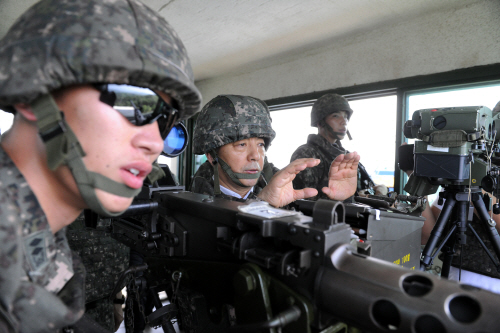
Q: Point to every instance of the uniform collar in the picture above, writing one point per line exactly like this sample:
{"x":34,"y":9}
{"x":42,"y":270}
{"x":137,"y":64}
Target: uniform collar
{"x":234,"y":194}
{"x":318,"y":140}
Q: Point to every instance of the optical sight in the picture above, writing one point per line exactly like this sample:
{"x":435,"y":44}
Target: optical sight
{"x":454,"y":146}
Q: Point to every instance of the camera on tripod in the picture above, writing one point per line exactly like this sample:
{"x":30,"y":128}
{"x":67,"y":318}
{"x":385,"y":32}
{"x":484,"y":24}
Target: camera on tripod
{"x":456,"y":148}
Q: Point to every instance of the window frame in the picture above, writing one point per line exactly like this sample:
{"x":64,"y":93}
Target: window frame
{"x":399,"y":87}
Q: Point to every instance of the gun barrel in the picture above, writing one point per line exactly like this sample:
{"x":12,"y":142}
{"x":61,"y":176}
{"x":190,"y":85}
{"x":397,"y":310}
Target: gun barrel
{"x":140,"y":208}
{"x":378,"y":296}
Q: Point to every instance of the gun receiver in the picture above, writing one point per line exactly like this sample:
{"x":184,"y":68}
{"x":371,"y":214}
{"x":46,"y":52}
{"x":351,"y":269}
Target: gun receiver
{"x":228,"y":266}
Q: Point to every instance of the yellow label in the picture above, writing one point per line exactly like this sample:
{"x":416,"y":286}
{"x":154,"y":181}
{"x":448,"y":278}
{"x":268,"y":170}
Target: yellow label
{"x":403,"y":260}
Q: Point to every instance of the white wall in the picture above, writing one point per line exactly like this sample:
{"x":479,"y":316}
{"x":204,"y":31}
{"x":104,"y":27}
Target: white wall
{"x":464,"y":37}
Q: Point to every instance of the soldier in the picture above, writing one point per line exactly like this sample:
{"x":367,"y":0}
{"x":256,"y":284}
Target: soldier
{"x":63,"y":66}
{"x":330,"y":114}
{"x":234,"y":132}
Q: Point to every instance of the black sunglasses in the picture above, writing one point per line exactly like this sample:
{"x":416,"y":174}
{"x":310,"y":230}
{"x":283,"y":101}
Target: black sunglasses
{"x":141,"y":106}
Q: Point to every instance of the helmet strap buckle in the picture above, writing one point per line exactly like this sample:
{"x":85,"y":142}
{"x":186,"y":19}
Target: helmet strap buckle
{"x":57,"y":129}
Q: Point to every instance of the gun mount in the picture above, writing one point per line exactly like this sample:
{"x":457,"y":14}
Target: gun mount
{"x":228,"y":266}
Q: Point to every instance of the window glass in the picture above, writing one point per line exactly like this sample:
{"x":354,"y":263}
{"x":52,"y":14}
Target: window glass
{"x":487,"y":94}
{"x":373,"y":130}
{"x":452,"y":97}
{"x":172,"y":162}
{"x":292,"y":126}
{"x":5,"y":121}
{"x":372,"y":127}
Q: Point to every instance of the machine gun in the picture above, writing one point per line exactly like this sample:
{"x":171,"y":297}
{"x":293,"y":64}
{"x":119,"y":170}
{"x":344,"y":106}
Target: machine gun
{"x":229,"y":266}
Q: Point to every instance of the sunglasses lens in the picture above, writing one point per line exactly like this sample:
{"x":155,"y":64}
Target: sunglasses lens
{"x":176,"y":141}
{"x":141,"y":106}
{"x":134,"y":103}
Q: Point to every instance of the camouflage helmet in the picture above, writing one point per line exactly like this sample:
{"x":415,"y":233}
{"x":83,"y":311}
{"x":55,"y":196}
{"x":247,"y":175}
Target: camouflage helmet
{"x":60,"y":43}
{"x":231,"y":118}
{"x":328,"y":104}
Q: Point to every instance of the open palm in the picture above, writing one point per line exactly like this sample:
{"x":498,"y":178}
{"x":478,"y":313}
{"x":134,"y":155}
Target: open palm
{"x":280,"y":192}
{"x":343,"y":177}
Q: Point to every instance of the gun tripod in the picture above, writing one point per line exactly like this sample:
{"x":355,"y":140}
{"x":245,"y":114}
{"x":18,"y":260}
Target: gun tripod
{"x":449,"y":233}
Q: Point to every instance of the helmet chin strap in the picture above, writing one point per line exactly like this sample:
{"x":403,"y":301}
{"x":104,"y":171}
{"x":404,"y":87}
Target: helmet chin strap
{"x":234,"y":176}
{"x":62,"y":147}
{"x":336,"y":135}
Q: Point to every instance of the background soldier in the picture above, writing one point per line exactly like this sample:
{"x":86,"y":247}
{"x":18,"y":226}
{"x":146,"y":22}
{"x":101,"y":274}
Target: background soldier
{"x":234,"y":132}
{"x":68,"y":148}
{"x":330,"y":114}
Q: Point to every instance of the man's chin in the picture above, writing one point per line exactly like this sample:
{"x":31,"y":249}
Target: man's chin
{"x":249,"y":182}
{"x":113,"y":203}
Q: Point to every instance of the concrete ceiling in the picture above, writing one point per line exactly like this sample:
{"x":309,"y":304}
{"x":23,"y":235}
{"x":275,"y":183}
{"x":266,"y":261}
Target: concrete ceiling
{"x":231,"y":36}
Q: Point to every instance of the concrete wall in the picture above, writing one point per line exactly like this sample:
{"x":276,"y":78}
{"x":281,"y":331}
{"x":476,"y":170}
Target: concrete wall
{"x":10,"y":11}
{"x":464,"y":37}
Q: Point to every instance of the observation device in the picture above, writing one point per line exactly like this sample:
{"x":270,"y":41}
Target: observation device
{"x":456,"y":148}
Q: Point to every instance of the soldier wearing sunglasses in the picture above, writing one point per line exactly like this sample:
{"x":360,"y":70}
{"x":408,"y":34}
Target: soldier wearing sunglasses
{"x":95,"y":86}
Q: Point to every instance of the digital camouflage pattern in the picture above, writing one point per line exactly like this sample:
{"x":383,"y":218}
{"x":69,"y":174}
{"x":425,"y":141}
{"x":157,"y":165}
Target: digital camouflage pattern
{"x":328,"y":104}
{"x":58,"y":43}
{"x":203,"y":182}
{"x":316,"y":177}
{"x":104,"y":259}
{"x":41,"y":281}
{"x":474,"y":258}
{"x":231,"y":118}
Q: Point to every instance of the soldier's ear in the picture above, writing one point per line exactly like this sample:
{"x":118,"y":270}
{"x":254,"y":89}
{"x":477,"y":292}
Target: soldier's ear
{"x":210,"y":158}
{"x":25,"y":111}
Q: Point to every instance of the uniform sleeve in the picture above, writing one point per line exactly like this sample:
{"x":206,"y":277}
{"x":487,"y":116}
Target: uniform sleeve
{"x":10,"y":266}
{"x":203,"y":179}
{"x":202,"y":186}
{"x":310,"y":177}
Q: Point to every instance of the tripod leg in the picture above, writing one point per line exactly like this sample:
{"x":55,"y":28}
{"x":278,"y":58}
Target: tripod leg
{"x":437,"y":231}
{"x":447,"y":258}
{"x":459,"y":237}
{"x":490,"y":255}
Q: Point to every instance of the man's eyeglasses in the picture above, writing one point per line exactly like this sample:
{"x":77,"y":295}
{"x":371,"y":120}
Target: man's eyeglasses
{"x":141,"y":106}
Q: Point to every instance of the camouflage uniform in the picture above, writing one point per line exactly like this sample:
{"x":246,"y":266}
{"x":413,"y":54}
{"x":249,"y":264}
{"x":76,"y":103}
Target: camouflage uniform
{"x":41,"y":280}
{"x":223,"y":120}
{"x":104,"y":258}
{"x":316,"y":177}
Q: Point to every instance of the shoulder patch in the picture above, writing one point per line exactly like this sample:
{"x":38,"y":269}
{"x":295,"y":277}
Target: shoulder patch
{"x":36,"y":250}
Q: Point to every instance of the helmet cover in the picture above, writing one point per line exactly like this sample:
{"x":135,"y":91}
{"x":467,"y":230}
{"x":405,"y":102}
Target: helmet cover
{"x":328,"y":104}
{"x":230,"y":118}
{"x":57,"y":43}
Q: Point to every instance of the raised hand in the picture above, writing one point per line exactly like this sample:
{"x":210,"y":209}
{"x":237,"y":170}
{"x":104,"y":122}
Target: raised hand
{"x":280,"y":192}
{"x":343,"y":177}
